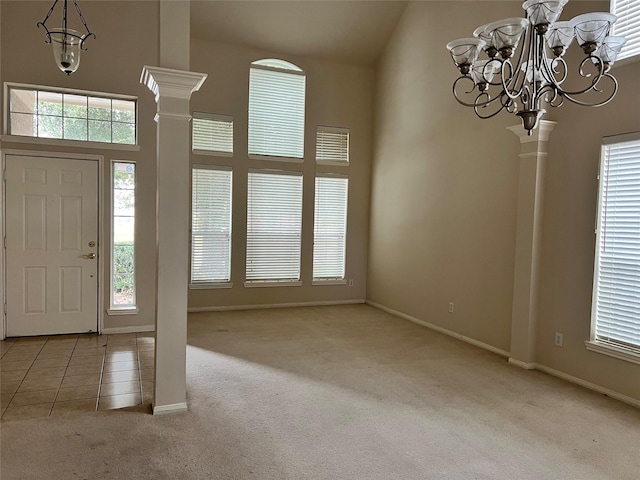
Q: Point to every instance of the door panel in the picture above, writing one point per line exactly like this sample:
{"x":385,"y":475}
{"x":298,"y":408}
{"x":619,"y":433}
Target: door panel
{"x":51,"y":216}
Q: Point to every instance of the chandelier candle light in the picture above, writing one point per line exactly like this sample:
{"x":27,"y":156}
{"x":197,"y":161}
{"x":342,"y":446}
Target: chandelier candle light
{"x":520,"y":87}
{"x":67,"y":43}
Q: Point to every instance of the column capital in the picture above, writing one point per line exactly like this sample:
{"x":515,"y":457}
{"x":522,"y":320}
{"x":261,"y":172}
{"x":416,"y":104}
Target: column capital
{"x":167,"y":82}
{"x":540,"y":134}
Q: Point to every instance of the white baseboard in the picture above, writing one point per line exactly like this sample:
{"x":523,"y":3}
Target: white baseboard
{"x":591,"y":386}
{"x":173,"y":408}
{"x":132,"y":329}
{"x":273,"y":305}
{"x":472,"y":341}
{"x":521,"y":364}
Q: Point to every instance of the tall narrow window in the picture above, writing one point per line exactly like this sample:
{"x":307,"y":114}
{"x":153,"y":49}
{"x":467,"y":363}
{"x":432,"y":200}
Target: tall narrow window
{"x":210,"y":226}
{"x":616,"y":306}
{"x":274,"y":227}
{"x":123,"y":278}
{"x":627,"y":25}
{"x":330,"y":228}
{"x":276,"y":109}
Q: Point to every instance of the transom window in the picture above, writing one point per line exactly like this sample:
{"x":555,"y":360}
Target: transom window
{"x":71,"y":115}
{"x":276,"y":109}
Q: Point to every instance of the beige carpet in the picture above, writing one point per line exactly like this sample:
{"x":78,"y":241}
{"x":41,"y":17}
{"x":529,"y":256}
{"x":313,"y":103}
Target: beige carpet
{"x":343,"y":392}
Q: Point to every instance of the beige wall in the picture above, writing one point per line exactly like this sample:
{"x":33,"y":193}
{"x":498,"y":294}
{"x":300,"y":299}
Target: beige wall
{"x":444,"y":183}
{"x":444,"y":191}
{"x":337,"y":95}
{"x":127,"y":39}
{"x":568,"y":245}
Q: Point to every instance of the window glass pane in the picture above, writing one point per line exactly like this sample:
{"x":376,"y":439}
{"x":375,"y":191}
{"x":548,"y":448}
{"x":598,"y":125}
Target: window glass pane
{"x":99,"y":108}
{"x":23,"y":101}
{"x":124,"y":133}
{"x":617,"y":308}
{"x":75,"y":106}
{"x":75,"y":129}
{"x":330,"y":228}
{"x":211,"y":226}
{"x":24,"y":124}
{"x":99,"y":131}
{"x":49,"y":103}
{"x":123,"y":111}
{"x":212,"y":132}
{"x":274,"y":225}
{"x":332,"y":145}
{"x":123,"y":239}
{"x":276,"y":112}
{"x":49,"y":127}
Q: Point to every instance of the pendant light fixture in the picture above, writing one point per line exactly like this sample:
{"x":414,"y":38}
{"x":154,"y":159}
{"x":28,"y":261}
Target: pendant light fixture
{"x":66,"y":42}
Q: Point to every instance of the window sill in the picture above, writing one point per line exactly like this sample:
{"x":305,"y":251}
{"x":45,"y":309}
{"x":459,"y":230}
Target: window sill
{"x":254,"y":156}
{"x":259,"y":284}
{"x":613,"y":351}
{"x":209,"y":286}
{"x":69,"y":143}
{"x":212,"y":153}
{"x":329,"y":282}
{"x":123,"y":311}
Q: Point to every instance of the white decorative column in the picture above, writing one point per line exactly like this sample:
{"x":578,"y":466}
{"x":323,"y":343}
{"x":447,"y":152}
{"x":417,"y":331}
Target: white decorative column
{"x":172,"y":90}
{"x":526,"y":276}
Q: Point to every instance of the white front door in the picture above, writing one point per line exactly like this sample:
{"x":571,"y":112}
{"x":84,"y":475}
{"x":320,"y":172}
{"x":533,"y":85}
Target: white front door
{"x":51,"y":246}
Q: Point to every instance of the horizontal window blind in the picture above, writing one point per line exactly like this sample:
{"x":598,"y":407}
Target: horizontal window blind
{"x":212,"y":132}
{"x":276,"y":112}
{"x":627,"y":25}
{"x":211,"y":225}
{"x":274,"y":226}
{"x":332,"y":145}
{"x":330,"y":227}
{"x":617,"y":290}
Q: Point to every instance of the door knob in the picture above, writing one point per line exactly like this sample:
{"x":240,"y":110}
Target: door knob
{"x":90,"y":256}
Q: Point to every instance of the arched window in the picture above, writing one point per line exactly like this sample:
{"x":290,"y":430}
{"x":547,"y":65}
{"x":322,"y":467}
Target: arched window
{"x":276,"y":109}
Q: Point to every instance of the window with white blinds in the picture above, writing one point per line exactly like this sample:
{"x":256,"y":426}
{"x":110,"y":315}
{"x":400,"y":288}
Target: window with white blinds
{"x":627,"y":25}
{"x":212,"y":133}
{"x":210,"y":225}
{"x":616,"y":308}
{"x":274,"y":226}
{"x":276,"y":109}
{"x":330,"y":227}
{"x":332,"y":145}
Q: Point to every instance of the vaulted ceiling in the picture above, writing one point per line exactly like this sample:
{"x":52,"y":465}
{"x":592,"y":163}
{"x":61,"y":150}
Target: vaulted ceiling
{"x":353,"y":32}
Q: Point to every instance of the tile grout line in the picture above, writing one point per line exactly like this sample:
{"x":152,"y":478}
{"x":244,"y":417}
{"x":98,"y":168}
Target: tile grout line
{"x":23,"y":378}
{"x":104,"y":361}
{"x":139,"y":372}
{"x":55,"y":399}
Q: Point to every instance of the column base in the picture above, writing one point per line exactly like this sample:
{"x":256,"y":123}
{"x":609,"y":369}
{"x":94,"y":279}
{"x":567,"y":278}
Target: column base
{"x":166,"y":409}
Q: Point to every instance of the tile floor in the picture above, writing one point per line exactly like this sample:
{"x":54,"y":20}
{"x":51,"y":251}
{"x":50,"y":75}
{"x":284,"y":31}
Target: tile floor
{"x":43,"y":376}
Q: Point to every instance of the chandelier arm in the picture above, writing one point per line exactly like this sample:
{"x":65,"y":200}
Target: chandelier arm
{"x":594,"y":86}
{"x":568,"y":95}
{"x":475,"y":103}
{"x":503,"y":106}
{"x":551,"y":71}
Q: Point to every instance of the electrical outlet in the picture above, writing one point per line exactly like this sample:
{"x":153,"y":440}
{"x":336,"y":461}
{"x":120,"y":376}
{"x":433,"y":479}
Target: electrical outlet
{"x":558,"y":339}
{"x":351,"y":282}
{"x":452,"y":307}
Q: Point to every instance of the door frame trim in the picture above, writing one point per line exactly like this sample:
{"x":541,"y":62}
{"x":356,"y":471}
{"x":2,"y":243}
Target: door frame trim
{"x":3,"y":206}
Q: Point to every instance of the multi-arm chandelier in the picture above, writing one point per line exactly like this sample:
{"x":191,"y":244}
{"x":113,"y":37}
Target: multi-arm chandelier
{"x":67,"y":43}
{"x":497,"y":83}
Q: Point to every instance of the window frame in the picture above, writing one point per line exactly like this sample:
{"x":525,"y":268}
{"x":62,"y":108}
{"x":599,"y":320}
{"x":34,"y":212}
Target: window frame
{"x":273,"y":282}
{"x":198,"y":115}
{"x":331,"y":280}
{"x":623,"y":59}
{"x":203,"y":285}
{"x":333,"y":130}
{"x":283,"y":67}
{"x":7,"y":136}
{"x":127,"y":309}
{"x":607,"y":347}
